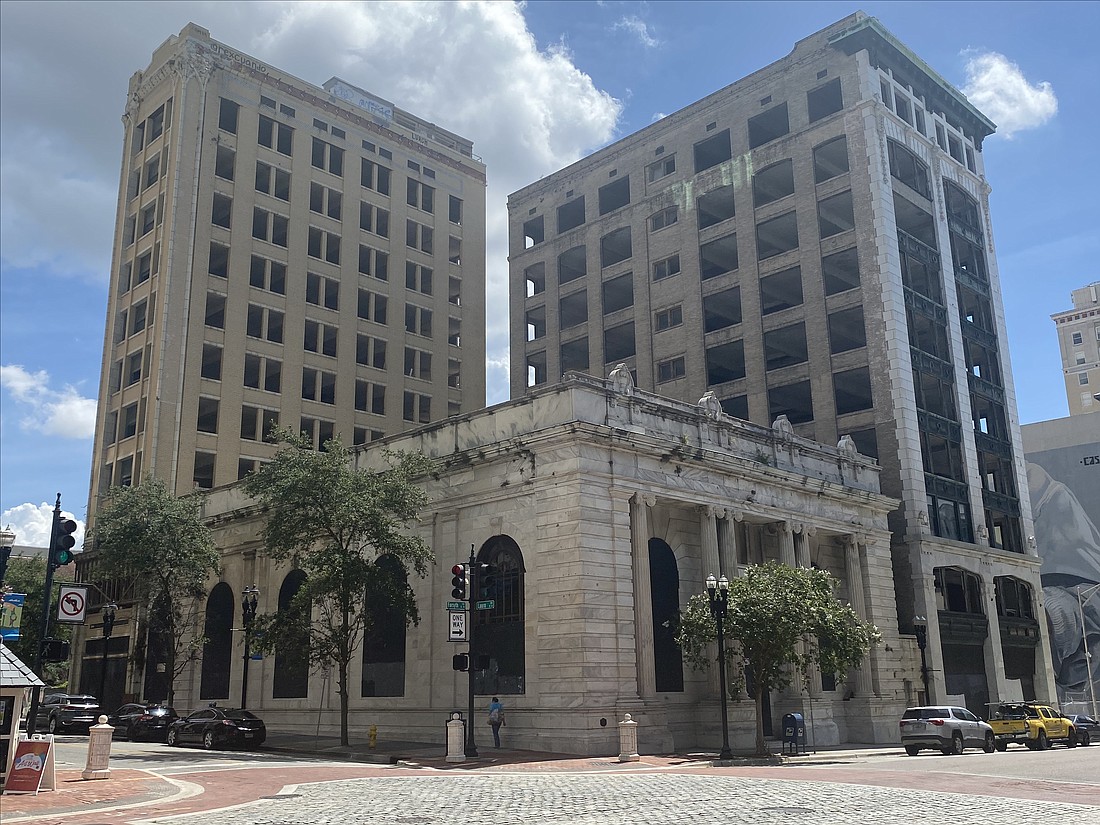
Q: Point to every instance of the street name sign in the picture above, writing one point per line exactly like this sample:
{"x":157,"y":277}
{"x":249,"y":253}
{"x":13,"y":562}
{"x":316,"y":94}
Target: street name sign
{"x":488,"y":604}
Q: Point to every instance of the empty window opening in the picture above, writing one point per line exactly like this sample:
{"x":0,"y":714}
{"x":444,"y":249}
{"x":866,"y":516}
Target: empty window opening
{"x":736,"y":406}
{"x":454,"y":210}
{"x":954,"y":148}
{"x":776,"y":236}
{"x":902,"y":107}
{"x":671,"y":369}
{"x":772,"y":183}
{"x":218,"y":262}
{"x":967,"y":257}
{"x":536,"y":323}
{"x":572,"y":264}
{"x":454,"y":290}
{"x":914,"y":221}
{"x":618,"y":293}
{"x":846,"y":330}
{"x":615,"y":247}
{"x":227,"y":115}
{"x":536,"y":369}
{"x":574,"y":356}
{"x":887,"y":93}
{"x":571,"y":215}
{"x":780,"y":291}
{"x":961,"y":207}
{"x":970,"y":160}
{"x":920,"y":277}
{"x":614,"y":195}
{"x":941,"y":456}
{"x":535,"y":277}
{"x":835,"y":214}
{"x":830,"y":159}
{"x":866,"y":441}
{"x":768,"y":126}
{"x":225,"y":162}
{"x":718,"y":257}
{"x":715,"y":206}
{"x":208,"y":415}
{"x":785,"y":346}
{"x":722,"y":309}
{"x":906,"y":167}
{"x":533,"y":232}
{"x":712,"y":151}
{"x":933,"y":394}
{"x":215,"y":311}
{"x":725,"y":362}
{"x":666,"y":268}
{"x":618,"y":343}
{"x":222,"y":210}
{"x":792,"y":400}
{"x":824,"y":100}
{"x":852,"y":390}
{"x":454,"y":250}
{"x":573,"y":309}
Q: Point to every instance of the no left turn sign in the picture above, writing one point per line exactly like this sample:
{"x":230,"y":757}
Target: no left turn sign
{"x":72,"y":604}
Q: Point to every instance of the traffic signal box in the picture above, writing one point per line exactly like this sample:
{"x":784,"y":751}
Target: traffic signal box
{"x":61,"y":553}
{"x":458,"y":582}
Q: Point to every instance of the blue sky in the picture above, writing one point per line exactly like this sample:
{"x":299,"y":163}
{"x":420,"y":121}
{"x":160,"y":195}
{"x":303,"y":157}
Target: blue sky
{"x":535,"y":86}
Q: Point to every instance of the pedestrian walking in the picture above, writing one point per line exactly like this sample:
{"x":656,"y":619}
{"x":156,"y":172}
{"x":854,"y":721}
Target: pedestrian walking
{"x":496,"y":719}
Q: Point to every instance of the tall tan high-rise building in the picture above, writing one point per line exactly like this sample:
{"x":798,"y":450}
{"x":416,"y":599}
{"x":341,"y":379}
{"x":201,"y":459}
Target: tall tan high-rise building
{"x":1079,"y":344}
{"x":812,"y":244}
{"x":308,"y":256}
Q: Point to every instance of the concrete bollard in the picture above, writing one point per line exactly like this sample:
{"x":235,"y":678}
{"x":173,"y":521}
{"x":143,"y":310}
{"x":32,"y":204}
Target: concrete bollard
{"x":456,"y":738}
{"x":628,"y":739}
{"x":99,"y":751}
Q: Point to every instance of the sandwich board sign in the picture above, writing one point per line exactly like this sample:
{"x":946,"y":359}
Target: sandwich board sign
{"x":32,"y":769}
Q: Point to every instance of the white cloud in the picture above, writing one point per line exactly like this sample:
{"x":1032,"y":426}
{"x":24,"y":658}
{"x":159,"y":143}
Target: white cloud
{"x":32,"y":524}
{"x":472,"y":67}
{"x":999,"y":89}
{"x":637,"y":27}
{"x":658,"y":116}
{"x":64,"y":413}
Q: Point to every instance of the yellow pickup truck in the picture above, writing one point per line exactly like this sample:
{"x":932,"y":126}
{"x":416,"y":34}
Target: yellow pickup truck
{"x":1026,"y":723}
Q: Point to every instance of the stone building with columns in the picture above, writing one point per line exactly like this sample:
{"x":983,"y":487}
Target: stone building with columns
{"x":604,"y":509}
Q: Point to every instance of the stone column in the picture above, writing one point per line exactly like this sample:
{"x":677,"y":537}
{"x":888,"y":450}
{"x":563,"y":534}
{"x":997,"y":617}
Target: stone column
{"x":727,"y":545}
{"x":643,"y":594}
{"x":786,"y":544}
{"x":864,"y":686}
{"x":708,"y":541}
{"x":994,"y":653}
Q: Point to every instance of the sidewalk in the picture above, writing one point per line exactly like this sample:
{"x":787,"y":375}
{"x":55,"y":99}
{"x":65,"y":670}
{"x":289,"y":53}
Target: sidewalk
{"x":139,"y":788}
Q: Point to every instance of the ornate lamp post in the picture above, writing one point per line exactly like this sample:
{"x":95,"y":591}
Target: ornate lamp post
{"x":109,"y":611}
{"x":248,"y":613}
{"x":718,"y":594}
{"x":920,"y":629}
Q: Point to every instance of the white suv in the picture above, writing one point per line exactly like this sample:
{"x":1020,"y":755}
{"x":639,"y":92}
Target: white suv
{"x":947,"y":729}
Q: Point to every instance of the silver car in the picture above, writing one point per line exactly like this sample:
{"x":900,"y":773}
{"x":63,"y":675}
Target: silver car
{"x":946,"y":729}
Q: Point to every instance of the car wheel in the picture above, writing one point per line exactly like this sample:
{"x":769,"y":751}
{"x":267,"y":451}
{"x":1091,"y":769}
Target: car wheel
{"x":912,"y":750}
{"x":955,"y":748}
{"x":1042,"y":743}
{"x":1071,"y":741}
{"x":173,"y":737}
{"x":53,"y":726}
{"x":990,"y":743}
{"x":1083,"y":738}
{"x":208,"y":740}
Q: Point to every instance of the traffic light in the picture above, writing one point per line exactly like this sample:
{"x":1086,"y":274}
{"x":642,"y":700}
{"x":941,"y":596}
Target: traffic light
{"x":486,"y":581}
{"x":460,"y":661}
{"x":458,"y":582}
{"x":62,"y":551}
{"x":55,"y":650}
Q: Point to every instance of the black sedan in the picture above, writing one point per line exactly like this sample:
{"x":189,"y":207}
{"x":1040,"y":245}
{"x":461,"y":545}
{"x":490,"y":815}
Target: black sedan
{"x":219,"y":728}
{"x":1088,"y":729}
{"x":136,"y":721}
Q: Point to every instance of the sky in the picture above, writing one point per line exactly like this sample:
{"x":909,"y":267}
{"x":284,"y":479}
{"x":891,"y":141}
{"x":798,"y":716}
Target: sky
{"x":536,"y":86}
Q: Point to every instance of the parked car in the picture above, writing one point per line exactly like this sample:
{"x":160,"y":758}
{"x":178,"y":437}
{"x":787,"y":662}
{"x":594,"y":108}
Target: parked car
{"x":60,"y":712}
{"x":137,"y":721}
{"x":1087,"y":728}
{"x":1033,"y":725}
{"x":947,"y":729}
{"x":219,"y":728}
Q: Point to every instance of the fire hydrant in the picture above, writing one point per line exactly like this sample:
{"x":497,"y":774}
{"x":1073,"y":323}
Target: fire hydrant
{"x":372,"y":737}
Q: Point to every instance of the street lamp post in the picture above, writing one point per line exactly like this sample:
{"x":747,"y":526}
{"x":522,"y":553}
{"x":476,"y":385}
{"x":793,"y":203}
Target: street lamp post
{"x":920,"y":630}
{"x":248,"y":613}
{"x":1085,"y":641}
{"x":109,"y":611}
{"x":7,"y":540}
{"x":718,"y":594}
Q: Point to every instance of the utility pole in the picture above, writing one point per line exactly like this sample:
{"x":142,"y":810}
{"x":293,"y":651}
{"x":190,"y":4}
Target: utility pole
{"x":44,"y":620}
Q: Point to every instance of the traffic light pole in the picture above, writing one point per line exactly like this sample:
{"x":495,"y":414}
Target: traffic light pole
{"x":471,"y":745}
{"x":44,"y":622}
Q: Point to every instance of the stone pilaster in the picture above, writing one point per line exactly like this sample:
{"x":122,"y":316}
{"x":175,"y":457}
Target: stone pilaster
{"x":643,"y":594}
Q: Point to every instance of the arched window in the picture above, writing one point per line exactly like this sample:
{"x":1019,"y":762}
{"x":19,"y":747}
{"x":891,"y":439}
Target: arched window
{"x":1013,"y":598}
{"x":958,"y":590}
{"x":291,"y":680}
{"x":498,"y":648}
{"x":386,"y":603}
{"x":664,"y":579}
{"x":217,"y":650}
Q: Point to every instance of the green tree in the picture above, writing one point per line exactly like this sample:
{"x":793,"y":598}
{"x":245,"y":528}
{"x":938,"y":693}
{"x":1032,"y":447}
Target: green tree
{"x":28,"y":576}
{"x":780,"y":621}
{"x":333,"y":522}
{"x":160,"y":546}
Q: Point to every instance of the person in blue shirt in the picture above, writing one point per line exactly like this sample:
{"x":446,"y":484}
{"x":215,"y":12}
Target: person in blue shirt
{"x":496,"y":719}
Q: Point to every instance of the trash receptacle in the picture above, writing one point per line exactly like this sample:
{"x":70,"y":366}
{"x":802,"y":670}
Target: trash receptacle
{"x":794,"y":733}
